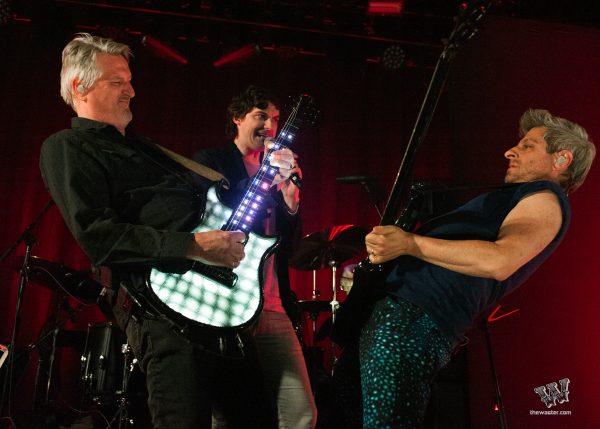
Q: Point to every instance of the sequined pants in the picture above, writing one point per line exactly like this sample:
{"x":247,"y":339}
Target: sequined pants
{"x":401,"y":350}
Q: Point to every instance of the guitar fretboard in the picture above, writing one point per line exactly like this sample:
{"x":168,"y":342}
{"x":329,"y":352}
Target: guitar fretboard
{"x":245,"y":214}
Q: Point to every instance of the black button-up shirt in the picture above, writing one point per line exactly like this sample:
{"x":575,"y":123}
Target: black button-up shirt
{"x":126,"y":203}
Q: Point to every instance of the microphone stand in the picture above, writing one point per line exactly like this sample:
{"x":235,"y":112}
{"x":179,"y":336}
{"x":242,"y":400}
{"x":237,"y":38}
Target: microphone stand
{"x":498,"y":396}
{"x":30,"y":240}
{"x":372,"y":187}
{"x":493,"y":317}
{"x":375,"y":195}
{"x":26,"y":235}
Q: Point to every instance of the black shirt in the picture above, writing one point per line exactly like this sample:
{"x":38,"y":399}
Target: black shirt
{"x":128,"y":205}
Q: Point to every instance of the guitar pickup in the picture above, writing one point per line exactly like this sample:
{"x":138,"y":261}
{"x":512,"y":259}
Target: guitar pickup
{"x":222,"y":275}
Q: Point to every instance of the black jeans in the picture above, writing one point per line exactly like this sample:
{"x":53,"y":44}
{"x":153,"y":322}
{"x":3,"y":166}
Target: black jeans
{"x":185,"y":383}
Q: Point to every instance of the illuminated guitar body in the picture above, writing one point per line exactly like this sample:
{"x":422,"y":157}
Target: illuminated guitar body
{"x":211,"y":305}
{"x":214,"y":296}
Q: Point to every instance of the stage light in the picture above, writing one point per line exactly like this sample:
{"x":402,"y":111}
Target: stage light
{"x":385,"y":8}
{"x":5,"y":12}
{"x":162,"y":50}
{"x":393,"y":57}
{"x":237,"y":56}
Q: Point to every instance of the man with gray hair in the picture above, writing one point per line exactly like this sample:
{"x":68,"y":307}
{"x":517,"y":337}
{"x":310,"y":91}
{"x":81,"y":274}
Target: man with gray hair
{"x":131,"y":208}
{"x":455,"y":266}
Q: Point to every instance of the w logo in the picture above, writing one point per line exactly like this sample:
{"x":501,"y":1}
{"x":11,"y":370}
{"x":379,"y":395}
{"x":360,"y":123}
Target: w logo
{"x":553,"y":394}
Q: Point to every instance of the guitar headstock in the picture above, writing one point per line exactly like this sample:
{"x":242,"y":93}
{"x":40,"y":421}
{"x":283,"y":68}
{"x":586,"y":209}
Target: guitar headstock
{"x":303,"y":109}
{"x":466,"y":24}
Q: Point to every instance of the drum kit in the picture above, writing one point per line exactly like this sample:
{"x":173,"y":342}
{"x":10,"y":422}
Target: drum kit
{"x":328,"y":248}
{"x":110,"y":382}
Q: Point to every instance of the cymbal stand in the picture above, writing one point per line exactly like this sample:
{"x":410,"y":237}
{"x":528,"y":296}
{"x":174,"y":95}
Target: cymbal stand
{"x":30,"y":240}
{"x":335,"y":305}
{"x":314,"y":314}
{"x":315,"y":292}
{"x":7,"y":387}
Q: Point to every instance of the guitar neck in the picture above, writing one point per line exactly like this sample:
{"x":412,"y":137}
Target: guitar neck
{"x":245,"y":214}
{"x":418,"y":134}
{"x":465,"y":27}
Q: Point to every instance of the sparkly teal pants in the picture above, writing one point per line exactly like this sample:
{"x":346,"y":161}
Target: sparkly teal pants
{"x":401,"y":350}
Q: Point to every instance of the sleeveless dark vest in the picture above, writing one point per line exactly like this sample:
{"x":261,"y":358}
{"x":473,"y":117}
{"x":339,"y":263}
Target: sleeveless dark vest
{"x":454,"y":300}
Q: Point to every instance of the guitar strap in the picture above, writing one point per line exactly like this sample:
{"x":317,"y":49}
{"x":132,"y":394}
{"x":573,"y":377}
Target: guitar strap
{"x":190,"y":164}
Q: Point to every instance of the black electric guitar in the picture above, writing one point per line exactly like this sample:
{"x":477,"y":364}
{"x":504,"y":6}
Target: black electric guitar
{"x":367,"y":276}
{"x":228,"y":300}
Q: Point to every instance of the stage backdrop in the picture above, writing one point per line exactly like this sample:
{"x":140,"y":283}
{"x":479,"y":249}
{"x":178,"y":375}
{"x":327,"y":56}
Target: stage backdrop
{"x":366,"y":118}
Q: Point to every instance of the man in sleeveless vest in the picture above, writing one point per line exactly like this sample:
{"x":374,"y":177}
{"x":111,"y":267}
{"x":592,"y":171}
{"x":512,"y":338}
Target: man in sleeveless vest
{"x":460,"y":264}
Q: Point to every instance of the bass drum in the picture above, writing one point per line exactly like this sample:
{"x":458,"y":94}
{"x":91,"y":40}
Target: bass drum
{"x":103,"y":364}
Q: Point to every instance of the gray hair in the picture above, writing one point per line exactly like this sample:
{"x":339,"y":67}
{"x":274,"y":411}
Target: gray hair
{"x":79,"y":61}
{"x":562,"y":134}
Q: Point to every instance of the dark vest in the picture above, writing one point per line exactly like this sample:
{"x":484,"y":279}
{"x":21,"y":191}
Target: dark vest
{"x":454,"y":300}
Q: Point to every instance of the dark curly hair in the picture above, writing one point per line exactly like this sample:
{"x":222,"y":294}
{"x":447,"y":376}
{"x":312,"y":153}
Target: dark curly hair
{"x":251,"y":97}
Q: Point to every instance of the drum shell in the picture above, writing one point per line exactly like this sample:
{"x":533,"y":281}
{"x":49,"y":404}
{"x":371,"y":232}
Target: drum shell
{"x":102,"y":363}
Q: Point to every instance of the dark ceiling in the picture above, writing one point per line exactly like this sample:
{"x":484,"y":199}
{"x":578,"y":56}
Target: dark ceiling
{"x":288,"y":27}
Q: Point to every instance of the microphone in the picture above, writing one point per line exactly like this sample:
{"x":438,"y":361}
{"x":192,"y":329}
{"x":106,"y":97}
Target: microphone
{"x":294,"y":177}
{"x":296,"y":180}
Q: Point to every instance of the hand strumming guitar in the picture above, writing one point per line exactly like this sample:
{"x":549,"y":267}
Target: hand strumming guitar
{"x":223,"y":248}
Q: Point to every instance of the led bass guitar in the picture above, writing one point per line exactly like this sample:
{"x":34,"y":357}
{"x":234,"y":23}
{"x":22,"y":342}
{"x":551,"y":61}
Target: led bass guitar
{"x":221,"y":299}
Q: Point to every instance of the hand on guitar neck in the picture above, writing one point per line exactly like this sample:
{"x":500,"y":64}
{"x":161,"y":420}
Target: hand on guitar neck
{"x":385,"y":243}
{"x":222,"y":248}
{"x":285,"y":160}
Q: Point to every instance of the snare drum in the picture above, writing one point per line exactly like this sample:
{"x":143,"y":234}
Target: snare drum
{"x":103,"y":364}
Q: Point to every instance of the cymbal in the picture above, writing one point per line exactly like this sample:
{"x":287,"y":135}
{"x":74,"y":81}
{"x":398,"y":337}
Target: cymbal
{"x":314,"y":306}
{"x":329,"y":247}
{"x":64,"y":279}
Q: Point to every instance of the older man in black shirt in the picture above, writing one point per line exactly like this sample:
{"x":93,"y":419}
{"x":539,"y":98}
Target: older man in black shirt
{"x":132,"y":208}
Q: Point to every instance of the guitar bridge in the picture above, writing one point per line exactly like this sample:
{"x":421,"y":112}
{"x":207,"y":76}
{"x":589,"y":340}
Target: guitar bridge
{"x":222,"y":275}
